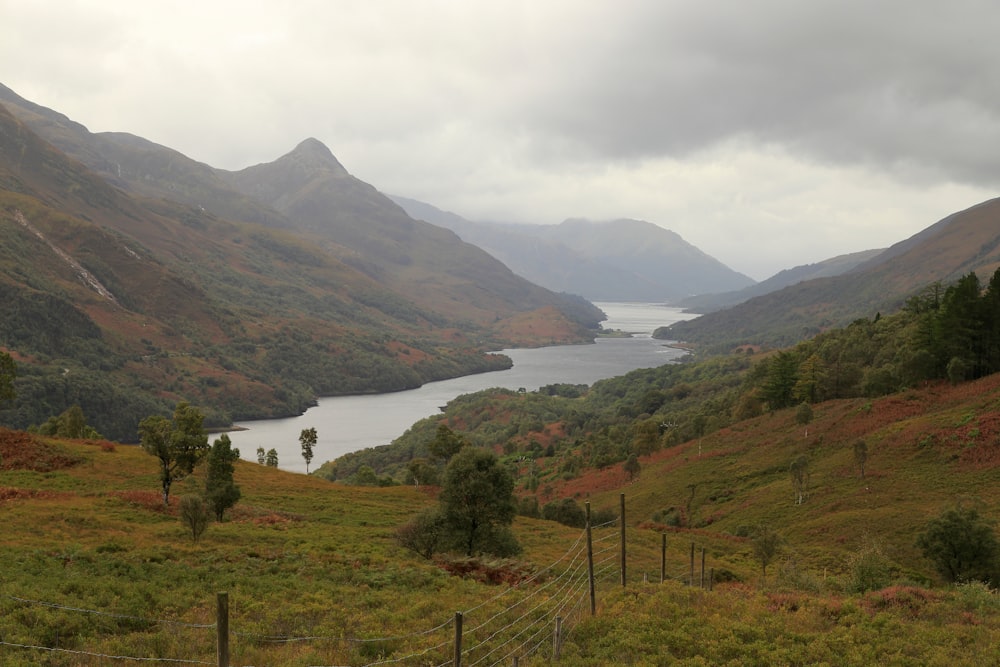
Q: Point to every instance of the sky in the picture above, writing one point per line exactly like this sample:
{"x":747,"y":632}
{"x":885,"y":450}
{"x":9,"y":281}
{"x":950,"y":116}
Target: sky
{"x":767,"y":133}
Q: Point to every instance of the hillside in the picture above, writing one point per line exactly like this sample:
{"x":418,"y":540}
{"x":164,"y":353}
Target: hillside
{"x":347,"y":594}
{"x":619,"y":260}
{"x":834,"y":266}
{"x":126,"y":296}
{"x":963,"y":242}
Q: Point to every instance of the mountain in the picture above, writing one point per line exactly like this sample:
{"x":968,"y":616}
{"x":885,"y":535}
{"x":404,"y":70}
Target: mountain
{"x":133,"y":277}
{"x":619,"y":260}
{"x":961,"y":243}
{"x":835,"y":266}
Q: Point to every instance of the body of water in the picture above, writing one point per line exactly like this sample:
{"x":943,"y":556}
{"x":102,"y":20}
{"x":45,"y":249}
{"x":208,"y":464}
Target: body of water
{"x":348,"y":423}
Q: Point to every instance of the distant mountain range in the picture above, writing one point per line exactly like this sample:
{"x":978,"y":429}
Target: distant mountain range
{"x":132,"y":276}
{"x":964,"y":242}
{"x":618,"y":260}
{"x":706,"y":303}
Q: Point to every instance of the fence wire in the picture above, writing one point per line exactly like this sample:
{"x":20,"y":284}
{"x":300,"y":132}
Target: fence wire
{"x":520,"y":627}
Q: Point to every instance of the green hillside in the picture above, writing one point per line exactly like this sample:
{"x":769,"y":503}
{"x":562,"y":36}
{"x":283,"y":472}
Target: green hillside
{"x":125,"y":291}
{"x":964,"y":242}
{"x":95,"y":565}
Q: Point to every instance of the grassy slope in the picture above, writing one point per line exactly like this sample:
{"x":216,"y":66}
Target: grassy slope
{"x":302,"y":557}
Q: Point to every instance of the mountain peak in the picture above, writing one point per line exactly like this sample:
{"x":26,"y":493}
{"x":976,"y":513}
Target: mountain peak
{"x":313,"y":153}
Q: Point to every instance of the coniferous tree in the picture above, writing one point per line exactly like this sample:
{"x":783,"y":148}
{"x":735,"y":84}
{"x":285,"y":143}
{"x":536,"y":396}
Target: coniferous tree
{"x":8,"y":371}
{"x":221,"y":491}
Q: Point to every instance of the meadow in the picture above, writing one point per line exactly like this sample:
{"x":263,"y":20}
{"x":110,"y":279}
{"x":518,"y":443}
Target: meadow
{"x":96,"y":569}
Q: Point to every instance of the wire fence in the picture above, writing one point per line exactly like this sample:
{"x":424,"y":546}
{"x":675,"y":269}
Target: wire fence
{"x":515,"y":623}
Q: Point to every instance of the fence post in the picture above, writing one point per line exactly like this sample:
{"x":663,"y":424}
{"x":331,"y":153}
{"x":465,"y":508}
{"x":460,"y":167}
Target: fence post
{"x":691,"y":578}
{"x":458,"y":639}
{"x":557,"y":639}
{"x":590,"y":564}
{"x":711,"y":578}
{"x":663,"y":558}
{"x":222,"y":628}
{"x":703,"y":567}
{"x":623,"y":538}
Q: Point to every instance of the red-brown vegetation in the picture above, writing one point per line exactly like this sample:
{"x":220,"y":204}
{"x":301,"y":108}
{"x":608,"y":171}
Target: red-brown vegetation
{"x":23,"y":451}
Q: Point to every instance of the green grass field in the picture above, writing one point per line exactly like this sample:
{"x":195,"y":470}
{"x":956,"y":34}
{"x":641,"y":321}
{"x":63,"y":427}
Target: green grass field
{"x":92,"y":566}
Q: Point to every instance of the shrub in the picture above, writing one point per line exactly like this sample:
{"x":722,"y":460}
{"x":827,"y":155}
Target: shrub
{"x":195,"y":515}
{"x":425,"y":535}
{"x":962,"y":546}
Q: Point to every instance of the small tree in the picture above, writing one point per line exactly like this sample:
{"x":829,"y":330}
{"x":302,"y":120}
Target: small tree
{"x":803,"y":413}
{"x":308,"y":440}
{"x":860,"y":456}
{"x":632,"y":467}
{"x":261,"y":455}
{"x":566,"y":511}
{"x":70,"y":424}
{"x":195,"y":515}
{"x":445,"y":444}
{"x":8,"y":372}
{"x":425,"y":534}
{"x":422,"y":472}
{"x":478,"y":504}
{"x":272,"y":458}
{"x":962,"y":546}
{"x":766,"y":545}
{"x":221,"y":491}
{"x":179,"y":445}
{"x":799,"y":470}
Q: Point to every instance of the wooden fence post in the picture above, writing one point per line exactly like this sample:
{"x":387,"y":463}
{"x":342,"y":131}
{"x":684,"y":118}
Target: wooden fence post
{"x":458,"y":639}
{"x":711,"y":578}
{"x":557,"y":639}
{"x":691,"y":579}
{"x":703,"y":567}
{"x":222,"y":628}
{"x":663,"y":558}
{"x":590,"y":564}
{"x":623,"y":538}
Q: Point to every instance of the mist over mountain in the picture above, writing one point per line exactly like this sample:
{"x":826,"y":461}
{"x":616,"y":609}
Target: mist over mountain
{"x":618,"y":260}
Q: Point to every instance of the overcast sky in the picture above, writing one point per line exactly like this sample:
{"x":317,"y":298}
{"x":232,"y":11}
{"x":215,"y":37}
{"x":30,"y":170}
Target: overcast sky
{"x":767,"y":133}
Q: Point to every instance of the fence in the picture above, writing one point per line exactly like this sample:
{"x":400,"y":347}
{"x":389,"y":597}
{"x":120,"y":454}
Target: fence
{"x":518,"y":622}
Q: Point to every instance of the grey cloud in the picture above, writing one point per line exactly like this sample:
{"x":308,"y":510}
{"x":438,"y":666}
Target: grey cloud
{"x":898,"y":85}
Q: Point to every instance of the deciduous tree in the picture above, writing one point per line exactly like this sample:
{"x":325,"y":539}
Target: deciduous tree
{"x":860,"y":456}
{"x":799,"y":470}
{"x":632,"y":467}
{"x":478,"y":503}
{"x":194,"y":514}
{"x":445,"y":444}
{"x":308,"y":440}
{"x":962,"y":545}
{"x":178,"y":445}
{"x":766,"y":545}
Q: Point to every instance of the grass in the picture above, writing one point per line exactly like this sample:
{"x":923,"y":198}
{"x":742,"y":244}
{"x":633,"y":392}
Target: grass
{"x":303,"y":558}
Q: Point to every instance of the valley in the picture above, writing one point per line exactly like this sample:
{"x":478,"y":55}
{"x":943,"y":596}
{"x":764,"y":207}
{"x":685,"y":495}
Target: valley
{"x":817,"y":438}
